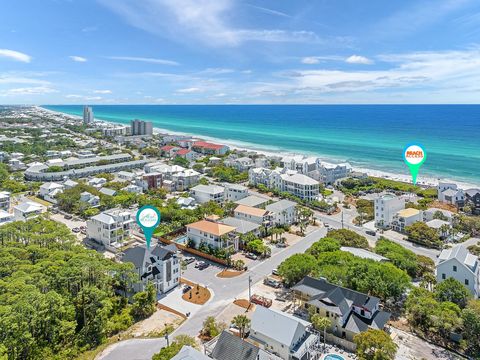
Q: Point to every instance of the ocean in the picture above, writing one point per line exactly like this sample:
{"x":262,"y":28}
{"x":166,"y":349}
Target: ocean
{"x":368,"y":136}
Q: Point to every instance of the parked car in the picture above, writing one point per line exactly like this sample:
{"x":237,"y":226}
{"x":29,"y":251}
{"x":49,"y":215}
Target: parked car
{"x":261,"y":300}
{"x":282,"y":244}
{"x":251,"y":256}
{"x":189,"y":259}
{"x":186,"y":289}
{"x":275,"y":272}
{"x":76,"y":230}
{"x":272,"y":282}
{"x":371,"y":232}
{"x":68,"y":217}
{"x":203,"y":265}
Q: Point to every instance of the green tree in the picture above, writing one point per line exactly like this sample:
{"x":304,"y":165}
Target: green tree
{"x":400,"y":257}
{"x":471,"y":324}
{"x":321,"y":323}
{"x":324,"y":245}
{"x":349,"y":238}
{"x":242,"y":323}
{"x":297,"y":266}
{"x":422,"y":234}
{"x":375,"y":345}
{"x":144,"y":302}
{"x":174,"y":348}
{"x":452,"y":290}
{"x":211,"y":328}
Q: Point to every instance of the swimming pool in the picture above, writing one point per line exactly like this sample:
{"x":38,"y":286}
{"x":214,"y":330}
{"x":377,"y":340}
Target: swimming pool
{"x":182,"y":240}
{"x":333,"y":357}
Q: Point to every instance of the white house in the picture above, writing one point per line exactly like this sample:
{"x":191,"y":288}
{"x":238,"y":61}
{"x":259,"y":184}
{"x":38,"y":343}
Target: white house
{"x":134,"y":189}
{"x":386,"y":206}
{"x":460,"y":264}
{"x":450,"y":193}
{"x":27,"y":210}
{"x":5,"y":217}
{"x":212,"y":233}
{"x":4,"y":200}
{"x":253,"y":214}
{"x":49,"y":190}
{"x":69,"y":184}
{"x":159,"y":266}
{"x":441,"y":226}
{"x":235,"y":192}
{"x":206,"y":193}
{"x":97,"y":182}
{"x":405,"y":217}
{"x":300,"y":185}
{"x":111,"y":227}
{"x":280,"y":333}
{"x":329,"y":173}
{"x":284,"y":212}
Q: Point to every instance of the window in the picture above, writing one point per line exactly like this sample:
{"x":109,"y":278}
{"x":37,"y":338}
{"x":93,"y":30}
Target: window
{"x":362,"y":312}
{"x":455,"y":268}
{"x":443,"y":277}
{"x":466,"y":282}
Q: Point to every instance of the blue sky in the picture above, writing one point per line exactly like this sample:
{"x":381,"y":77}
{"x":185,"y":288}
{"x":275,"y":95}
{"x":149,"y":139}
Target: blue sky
{"x":232,"y":51}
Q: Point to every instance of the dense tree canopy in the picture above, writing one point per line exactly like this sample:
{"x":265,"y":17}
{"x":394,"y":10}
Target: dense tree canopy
{"x":375,"y":345}
{"x":57,"y":297}
{"x":349,"y":238}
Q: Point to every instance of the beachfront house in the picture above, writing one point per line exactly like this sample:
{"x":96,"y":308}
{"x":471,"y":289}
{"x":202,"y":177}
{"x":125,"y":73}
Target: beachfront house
{"x":206,"y":193}
{"x":282,"y":334}
{"x":350,"y":312}
{"x":283,"y":212}
{"x":243,"y":227}
{"x":330,"y":173}
{"x":212,"y":233}
{"x":450,"y":193}
{"x":460,"y":264}
{"x":157,"y":265}
{"x":208,"y":148}
{"x":110,"y":228}
{"x":385,"y":208}
{"x":472,"y":198}
{"x":254,"y":201}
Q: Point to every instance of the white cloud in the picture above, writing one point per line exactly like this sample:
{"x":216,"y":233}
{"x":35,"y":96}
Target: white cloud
{"x":74,"y":96}
{"x":310,"y":60}
{"x":37,"y":90}
{"x":270,"y":11}
{"x":93,"y":98}
{"x":78,"y":58}
{"x":15,"y":55}
{"x":358,"y":59}
{"x":207,"y":21}
{"x":144,"y":59}
{"x":217,"y":71}
{"x":189,"y":90}
{"x":102,"y":91}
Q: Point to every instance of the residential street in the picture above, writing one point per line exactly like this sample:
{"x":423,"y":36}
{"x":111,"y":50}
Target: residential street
{"x":225,"y":291}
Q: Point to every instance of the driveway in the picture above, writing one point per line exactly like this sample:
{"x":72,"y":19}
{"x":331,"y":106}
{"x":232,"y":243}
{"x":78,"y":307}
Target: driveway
{"x":226,"y":290}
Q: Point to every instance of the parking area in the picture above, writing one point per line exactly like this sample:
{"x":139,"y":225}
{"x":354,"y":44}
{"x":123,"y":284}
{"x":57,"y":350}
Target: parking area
{"x":73,"y":223}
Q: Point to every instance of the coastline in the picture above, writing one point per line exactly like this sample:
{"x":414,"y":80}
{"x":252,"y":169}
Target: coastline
{"x":270,"y":151}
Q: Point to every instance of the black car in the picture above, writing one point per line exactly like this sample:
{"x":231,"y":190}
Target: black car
{"x":186,"y":289}
{"x":371,"y":232}
{"x":203,"y":266}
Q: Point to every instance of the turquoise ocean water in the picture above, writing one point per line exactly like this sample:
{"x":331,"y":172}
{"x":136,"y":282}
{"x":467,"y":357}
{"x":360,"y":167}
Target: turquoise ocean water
{"x":368,"y":136}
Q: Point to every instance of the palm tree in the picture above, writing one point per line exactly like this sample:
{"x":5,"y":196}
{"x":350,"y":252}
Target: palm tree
{"x":321,"y":323}
{"x":242,"y":323}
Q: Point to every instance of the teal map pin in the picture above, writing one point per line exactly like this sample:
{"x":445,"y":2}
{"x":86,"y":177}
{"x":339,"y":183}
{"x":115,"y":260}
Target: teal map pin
{"x":148,"y":218}
{"x":414,"y":156}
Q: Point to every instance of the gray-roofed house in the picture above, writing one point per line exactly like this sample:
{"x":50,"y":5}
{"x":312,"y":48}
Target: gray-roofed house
{"x":159,"y":266}
{"x":253,"y":201}
{"x":364,"y":254}
{"x":280,"y":333}
{"x":350,"y":312}
{"x":189,"y":353}
{"x":460,"y":264}
{"x":108,"y":191}
{"x":231,"y":347}
{"x":284,"y":212}
{"x":243,"y":226}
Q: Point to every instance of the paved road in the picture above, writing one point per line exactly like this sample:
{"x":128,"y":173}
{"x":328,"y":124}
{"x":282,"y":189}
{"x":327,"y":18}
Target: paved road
{"x":225,"y":291}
